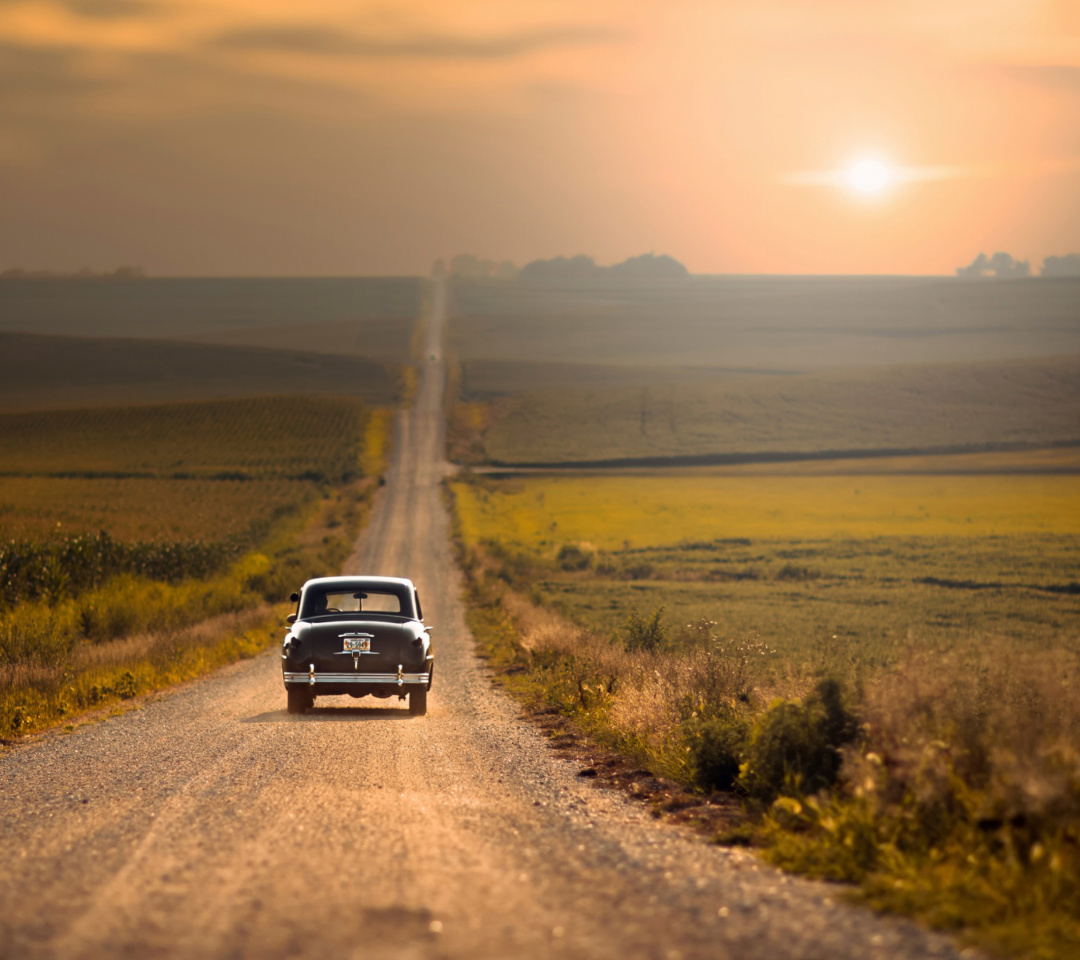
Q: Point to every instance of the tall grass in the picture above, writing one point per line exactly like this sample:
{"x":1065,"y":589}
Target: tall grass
{"x":946,"y":785}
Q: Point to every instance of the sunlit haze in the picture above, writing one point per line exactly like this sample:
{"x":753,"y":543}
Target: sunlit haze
{"x":344,"y":138}
{"x":869,"y":176}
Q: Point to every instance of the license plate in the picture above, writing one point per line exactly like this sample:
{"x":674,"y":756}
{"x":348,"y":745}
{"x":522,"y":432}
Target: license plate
{"x":363,"y":644}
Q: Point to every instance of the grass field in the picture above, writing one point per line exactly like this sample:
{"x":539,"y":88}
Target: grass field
{"x":931,"y":407}
{"x":612,"y":511}
{"x":874,"y":562}
{"x":862,"y":619}
{"x":881,"y":665}
{"x":766,"y":323}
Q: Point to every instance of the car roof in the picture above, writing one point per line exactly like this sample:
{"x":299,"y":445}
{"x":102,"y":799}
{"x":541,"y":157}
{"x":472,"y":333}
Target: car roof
{"x":346,"y":582}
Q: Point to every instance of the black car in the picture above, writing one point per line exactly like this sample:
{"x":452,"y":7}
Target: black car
{"x":360,"y":636}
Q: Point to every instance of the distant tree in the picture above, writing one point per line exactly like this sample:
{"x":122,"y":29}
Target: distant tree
{"x":561,"y":268}
{"x":649,"y":267}
{"x":1066,"y":266}
{"x":1000,"y":265}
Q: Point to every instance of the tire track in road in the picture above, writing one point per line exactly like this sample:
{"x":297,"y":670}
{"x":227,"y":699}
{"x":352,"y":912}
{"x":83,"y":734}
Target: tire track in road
{"x":217,"y":825}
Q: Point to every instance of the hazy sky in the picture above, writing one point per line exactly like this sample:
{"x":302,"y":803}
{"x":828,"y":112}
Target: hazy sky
{"x":326,"y":137}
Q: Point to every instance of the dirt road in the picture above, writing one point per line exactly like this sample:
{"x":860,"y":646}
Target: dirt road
{"x":212,"y":824}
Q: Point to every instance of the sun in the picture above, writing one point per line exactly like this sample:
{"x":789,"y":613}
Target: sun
{"x":869,"y":176}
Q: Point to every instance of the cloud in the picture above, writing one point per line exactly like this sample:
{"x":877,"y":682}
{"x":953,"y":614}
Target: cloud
{"x":1049,"y":75}
{"x":322,"y":41}
{"x":104,"y":9}
{"x":27,"y":72}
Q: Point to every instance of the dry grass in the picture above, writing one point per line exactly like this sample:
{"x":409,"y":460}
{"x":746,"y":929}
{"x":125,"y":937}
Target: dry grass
{"x":958,"y":796}
{"x":613,"y":511}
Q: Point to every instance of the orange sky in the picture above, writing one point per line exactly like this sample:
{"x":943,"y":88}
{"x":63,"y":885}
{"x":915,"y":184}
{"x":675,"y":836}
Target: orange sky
{"x":263,"y":137}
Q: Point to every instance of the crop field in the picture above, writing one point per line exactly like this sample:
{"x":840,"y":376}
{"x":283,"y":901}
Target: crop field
{"x":186,"y":487}
{"x":243,"y":310}
{"x":139,"y":508}
{"x":300,"y":437}
{"x":50,"y":372}
{"x":144,"y":545}
{"x":779,"y":324}
{"x":931,"y":407}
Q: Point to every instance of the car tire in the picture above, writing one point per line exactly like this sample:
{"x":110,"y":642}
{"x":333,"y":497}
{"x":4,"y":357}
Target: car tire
{"x":418,"y":702}
{"x":299,"y":699}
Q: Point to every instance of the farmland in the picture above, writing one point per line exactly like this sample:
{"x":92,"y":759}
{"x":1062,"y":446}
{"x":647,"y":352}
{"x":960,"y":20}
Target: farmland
{"x":129,"y":532}
{"x":158,"y":494}
{"x":241,"y":310}
{"x":812,"y":543}
{"x":716,"y":628}
{"x":930,"y":407}
{"x":765,"y":324}
{"x":54,"y":372}
{"x":90,"y":342}
{"x":743,"y":368}
{"x":319,"y":438}
{"x":872,"y":562}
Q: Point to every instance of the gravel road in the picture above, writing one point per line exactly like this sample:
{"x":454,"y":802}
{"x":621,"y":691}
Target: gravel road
{"x":209,"y":823}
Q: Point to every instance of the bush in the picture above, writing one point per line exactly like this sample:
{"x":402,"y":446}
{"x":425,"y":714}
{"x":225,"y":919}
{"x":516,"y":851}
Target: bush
{"x":796,"y":745}
{"x":571,"y":557}
{"x":717,"y":750}
{"x":644,"y":633}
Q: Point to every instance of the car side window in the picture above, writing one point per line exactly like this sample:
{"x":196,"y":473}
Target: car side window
{"x":416,"y":600}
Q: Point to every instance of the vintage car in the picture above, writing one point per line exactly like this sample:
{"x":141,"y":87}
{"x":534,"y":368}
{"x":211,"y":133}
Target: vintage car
{"x":360,"y":636}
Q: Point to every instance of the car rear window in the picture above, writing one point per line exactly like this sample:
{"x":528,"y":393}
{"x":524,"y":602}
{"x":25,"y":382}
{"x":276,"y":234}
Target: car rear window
{"x":364,"y":600}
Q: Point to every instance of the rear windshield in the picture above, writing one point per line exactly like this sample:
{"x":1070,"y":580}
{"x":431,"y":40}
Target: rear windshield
{"x":318,"y":603}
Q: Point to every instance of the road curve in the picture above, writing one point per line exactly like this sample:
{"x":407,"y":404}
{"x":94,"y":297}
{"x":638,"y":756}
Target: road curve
{"x":210,"y":823}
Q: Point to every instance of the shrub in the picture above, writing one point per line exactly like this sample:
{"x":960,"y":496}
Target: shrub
{"x":644,"y":633}
{"x":718,"y":749}
{"x":571,"y":557}
{"x":796,"y":745}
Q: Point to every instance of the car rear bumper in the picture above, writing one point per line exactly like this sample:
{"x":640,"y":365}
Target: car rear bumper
{"x":311,"y":678}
